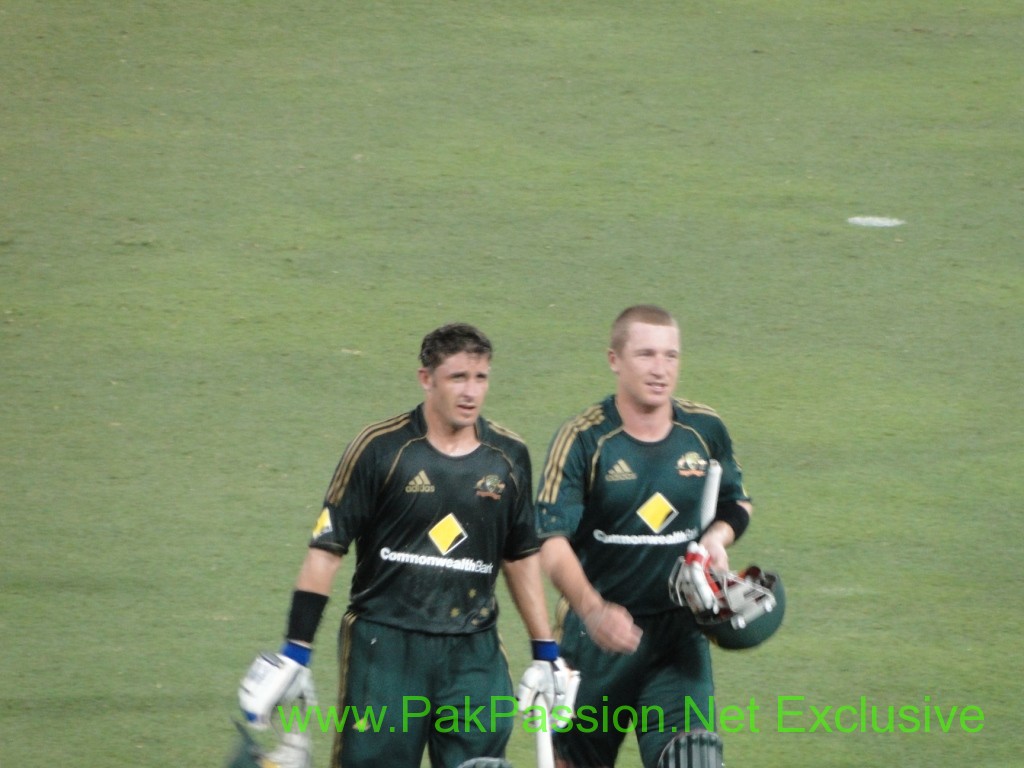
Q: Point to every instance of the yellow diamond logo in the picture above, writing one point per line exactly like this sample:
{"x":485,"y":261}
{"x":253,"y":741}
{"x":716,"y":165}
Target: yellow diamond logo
{"x":323,"y":523}
{"x":447,"y":534}
{"x":657,"y":513}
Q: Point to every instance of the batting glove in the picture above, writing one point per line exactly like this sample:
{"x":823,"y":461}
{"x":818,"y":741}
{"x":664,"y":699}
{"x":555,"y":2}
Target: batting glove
{"x":294,"y":751}
{"x":274,"y":678}
{"x":691,"y":583}
{"x":549,"y":679}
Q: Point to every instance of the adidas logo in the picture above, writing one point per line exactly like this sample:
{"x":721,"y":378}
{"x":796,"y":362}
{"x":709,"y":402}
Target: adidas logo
{"x":420,"y":484}
{"x":621,"y":471}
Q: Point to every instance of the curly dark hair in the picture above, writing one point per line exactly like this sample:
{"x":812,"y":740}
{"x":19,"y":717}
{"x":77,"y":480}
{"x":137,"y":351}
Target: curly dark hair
{"x":451,"y":339}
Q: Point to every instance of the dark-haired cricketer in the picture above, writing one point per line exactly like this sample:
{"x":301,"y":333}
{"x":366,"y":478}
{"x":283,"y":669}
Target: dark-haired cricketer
{"x":618,"y":502}
{"x":436,"y":501}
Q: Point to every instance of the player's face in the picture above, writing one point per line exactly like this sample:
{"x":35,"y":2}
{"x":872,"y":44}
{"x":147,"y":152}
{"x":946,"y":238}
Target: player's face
{"x":455,"y":390}
{"x":647,"y":365}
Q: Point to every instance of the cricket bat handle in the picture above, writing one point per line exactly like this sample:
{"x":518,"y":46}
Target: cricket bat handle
{"x":545,"y":749}
{"x":709,"y":499}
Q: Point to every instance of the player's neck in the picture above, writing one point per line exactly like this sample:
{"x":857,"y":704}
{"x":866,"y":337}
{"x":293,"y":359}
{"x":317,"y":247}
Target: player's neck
{"x":452,"y":441}
{"x":453,"y":447}
{"x":647,"y":424}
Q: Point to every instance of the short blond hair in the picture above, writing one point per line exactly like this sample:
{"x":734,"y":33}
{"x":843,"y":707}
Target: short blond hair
{"x":638,"y":313}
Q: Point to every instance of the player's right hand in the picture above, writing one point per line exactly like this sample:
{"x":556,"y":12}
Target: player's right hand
{"x":551,"y":682}
{"x":272,"y":679}
{"x":611,"y":627}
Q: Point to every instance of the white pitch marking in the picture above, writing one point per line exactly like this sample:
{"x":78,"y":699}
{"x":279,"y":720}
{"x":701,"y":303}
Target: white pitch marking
{"x":875,"y":221}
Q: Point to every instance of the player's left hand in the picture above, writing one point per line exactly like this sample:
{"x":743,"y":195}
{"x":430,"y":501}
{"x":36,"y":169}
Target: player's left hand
{"x":548,"y":678}
{"x":717,"y":557}
{"x":691,"y":582}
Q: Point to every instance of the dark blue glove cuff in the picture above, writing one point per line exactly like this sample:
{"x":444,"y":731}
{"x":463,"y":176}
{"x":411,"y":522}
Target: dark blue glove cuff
{"x":544,"y":650}
{"x":296,"y":652}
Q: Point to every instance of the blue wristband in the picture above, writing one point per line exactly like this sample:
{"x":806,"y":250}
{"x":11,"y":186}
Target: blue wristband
{"x":544,"y":650}
{"x":296,"y":652}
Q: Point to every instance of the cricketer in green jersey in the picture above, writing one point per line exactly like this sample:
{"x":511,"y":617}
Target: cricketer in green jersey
{"x":618,"y":502}
{"x":436,"y":501}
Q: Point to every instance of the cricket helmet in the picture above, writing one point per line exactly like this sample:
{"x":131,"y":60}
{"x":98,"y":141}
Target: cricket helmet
{"x":756,"y":605}
{"x":735,"y":610}
{"x":700,"y":749}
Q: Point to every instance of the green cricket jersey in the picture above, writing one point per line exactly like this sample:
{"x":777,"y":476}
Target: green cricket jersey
{"x":430,"y":530}
{"x":629,"y":508}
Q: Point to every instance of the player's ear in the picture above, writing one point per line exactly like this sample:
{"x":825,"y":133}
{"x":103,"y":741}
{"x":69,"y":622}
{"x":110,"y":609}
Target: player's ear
{"x":425,"y":377}
{"x":613,"y":360}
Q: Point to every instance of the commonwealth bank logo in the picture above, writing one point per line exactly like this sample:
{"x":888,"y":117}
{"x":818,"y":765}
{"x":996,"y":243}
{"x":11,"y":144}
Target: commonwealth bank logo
{"x":621,"y":471}
{"x":323,"y":524}
{"x":657,"y":512}
{"x":420,"y":484}
{"x":447,"y":534}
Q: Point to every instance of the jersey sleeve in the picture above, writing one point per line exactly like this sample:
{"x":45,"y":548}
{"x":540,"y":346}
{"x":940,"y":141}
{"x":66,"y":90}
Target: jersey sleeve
{"x":522,"y":535}
{"x":561,"y":497}
{"x":720,"y":443}
{"x":348,"y":501}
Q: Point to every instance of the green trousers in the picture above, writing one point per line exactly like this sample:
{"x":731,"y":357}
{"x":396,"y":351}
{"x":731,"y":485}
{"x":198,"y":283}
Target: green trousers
{"x":661,"y":690}
{"x":400,"y":692}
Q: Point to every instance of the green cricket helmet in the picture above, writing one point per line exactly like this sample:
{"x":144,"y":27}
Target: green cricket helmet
{"x":734,"y":610}
{"x":755,"y":603}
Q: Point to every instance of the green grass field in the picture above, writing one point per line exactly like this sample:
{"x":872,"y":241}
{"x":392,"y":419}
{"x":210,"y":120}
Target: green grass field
{"x":226,"y":226}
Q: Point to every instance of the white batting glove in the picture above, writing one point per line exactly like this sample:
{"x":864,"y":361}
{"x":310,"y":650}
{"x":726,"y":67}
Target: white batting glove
{"x":691,"y":583}
{"x":272,"y":678}
{"x":548,"y":679}
{"x":294,"y":751}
